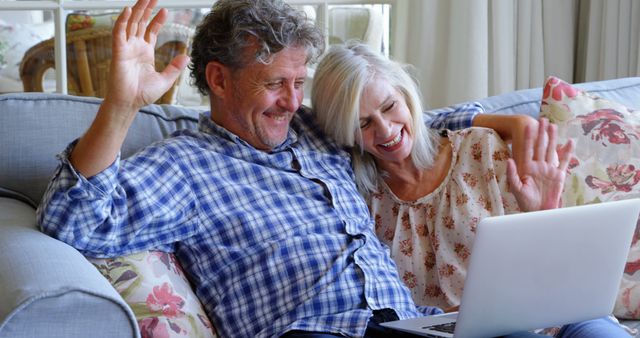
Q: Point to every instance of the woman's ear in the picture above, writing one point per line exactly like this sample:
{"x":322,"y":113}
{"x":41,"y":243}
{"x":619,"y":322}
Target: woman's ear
{"x":218,"y":78}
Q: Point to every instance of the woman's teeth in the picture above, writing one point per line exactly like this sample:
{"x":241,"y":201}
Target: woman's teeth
{"x":393,"y":142}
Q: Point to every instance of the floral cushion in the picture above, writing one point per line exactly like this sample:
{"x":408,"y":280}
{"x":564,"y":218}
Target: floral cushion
{"x":157,"y":290}
{"x":606,"y":166}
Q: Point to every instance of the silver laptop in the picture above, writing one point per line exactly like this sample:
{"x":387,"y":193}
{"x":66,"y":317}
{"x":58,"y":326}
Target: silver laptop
{"x":539,"y":269}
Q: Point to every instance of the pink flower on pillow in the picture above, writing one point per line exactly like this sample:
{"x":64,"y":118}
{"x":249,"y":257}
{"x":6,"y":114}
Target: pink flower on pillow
{"x":606,"y":124}
{"x":622,"y":177}
{"x":162,"y":299}
{"x":152,"y":328}
{"x":556,"y":87}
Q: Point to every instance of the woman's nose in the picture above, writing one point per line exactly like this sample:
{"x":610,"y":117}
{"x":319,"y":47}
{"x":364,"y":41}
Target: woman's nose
{"x":382,"y":126}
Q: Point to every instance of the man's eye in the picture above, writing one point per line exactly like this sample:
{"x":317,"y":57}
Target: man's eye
{"x":274,"y":85}
{"x":298,"y":84}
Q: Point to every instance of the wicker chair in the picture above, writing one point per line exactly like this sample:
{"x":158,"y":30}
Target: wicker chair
{"x":89,"y":57}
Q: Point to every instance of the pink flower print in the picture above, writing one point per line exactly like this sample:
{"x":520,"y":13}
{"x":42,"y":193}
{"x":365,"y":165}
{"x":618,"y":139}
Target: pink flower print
{"x":435,"y":241}
{"x":462,"y":199}
{"x":573,"y":162}
{"x":162,"y":299}
{"x":421,"y":230}
{"x":389,"y":234}
{"x":631,"y":307}
{"x":462,"y":251}
{"x":622,"y":177}
{"x":395,"y":210}
{"x":632,"y":267}
{"x":447,"y":270}
{"x":490,"y":175}
{"x":430,"y":261}
{"x":474,"y":223}
{"x":476,"y":151}
{"x":151,"y":327}
{"x":470,"y":179}
{"x":486,"y":204}
{"x":500,"y":155}
{"x":433,"y":291}
{"x":448,"y":222}
{"x":431,"y":211}
{"x":607,"y":124}
{"x":556,"y":87}
{"x":406,"y":247}
{"x":406,"y":222}
{"x":378,"y":223}
{"x":409,"y":279}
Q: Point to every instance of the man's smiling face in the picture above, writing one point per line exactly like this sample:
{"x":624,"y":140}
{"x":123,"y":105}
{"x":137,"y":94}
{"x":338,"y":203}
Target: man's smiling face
{"x":262,"y":98}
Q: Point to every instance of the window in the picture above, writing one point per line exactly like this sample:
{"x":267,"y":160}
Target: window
{"x":24,"y":25}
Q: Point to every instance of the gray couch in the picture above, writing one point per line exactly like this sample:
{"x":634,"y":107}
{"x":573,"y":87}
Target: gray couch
{"x":48,"y":289}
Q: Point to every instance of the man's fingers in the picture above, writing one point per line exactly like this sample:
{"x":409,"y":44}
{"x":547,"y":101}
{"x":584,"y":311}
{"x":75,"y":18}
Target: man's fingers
{"x":155,"y":25}
{"x":137,"y":12}
{"x":119,"y":31}
{"x":175,"y":68}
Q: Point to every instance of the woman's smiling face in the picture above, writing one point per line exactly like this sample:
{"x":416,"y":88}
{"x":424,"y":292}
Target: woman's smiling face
{"x":385,"y":122}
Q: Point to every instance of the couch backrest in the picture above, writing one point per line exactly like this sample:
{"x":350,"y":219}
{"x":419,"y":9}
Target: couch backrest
{"x":625,"y":91}
{"x":34,"y":127}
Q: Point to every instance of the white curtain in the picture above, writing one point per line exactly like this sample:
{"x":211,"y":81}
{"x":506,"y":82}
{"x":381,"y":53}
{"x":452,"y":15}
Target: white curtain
{"x":608,"y":40}
{"x":468,"y":49}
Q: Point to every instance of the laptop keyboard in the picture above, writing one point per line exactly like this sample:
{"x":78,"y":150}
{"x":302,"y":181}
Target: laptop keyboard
{"x":446,"y":327}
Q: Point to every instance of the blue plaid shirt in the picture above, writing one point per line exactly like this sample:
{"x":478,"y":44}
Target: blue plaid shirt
{"x":273,"y":241}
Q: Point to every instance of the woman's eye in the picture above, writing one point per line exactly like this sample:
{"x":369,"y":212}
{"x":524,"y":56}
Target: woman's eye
{"x":364,"y":124}
{"x":390,"y":106}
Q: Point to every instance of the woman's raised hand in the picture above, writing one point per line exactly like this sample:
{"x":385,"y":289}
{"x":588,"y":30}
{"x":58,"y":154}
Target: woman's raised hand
{"x":537,"y":181}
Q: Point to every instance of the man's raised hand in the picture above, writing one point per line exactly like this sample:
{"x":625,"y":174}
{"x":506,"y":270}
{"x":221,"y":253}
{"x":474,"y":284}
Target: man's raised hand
{"x":133,"y":80}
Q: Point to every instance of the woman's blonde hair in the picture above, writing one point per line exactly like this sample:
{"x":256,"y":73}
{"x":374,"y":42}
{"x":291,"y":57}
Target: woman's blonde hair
{"x":339,"y":81}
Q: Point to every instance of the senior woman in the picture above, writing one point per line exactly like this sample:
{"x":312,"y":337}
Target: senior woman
{"x":428,"y":189}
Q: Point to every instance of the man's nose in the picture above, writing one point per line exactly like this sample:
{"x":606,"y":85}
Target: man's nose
{"x":289,"y":99}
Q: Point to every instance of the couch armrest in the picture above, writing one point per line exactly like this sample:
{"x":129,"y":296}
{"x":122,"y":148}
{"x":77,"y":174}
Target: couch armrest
{"x":48,"y":289}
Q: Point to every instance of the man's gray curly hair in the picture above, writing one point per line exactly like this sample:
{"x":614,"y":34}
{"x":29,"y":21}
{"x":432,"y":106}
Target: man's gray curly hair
{"x":233,"y":25}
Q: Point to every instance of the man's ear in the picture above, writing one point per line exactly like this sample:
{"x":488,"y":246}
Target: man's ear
{"x":218,"y":78}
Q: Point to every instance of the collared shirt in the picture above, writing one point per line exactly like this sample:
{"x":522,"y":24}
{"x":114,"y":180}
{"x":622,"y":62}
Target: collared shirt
{"x":273,"y":241}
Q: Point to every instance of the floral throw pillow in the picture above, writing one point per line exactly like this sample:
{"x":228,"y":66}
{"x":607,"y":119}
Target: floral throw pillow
{"x":606,"y":164}
{"x":157,"y":290}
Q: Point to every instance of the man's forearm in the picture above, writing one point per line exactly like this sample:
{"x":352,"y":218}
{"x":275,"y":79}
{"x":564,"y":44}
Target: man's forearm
{"x":98,"y":147}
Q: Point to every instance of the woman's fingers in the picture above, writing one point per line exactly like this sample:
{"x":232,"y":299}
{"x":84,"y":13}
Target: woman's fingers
{"x":541,"y":141}
{"x":552,"y":152}
{"x":565,"y":153}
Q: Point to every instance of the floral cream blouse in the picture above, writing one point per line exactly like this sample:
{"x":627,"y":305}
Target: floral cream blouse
{"x":430,"y":238}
